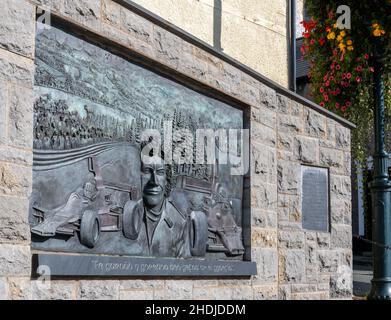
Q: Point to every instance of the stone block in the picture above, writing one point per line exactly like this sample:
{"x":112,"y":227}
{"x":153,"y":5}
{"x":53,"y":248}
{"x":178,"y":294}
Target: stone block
{"x":296,"y":109}
{"x":4,"y":292}
{"x":250,"y":94}
{"x":323,"y":240}
{"x":342,"y":136}
{"x":284,"y":292}
{"x":306,"y":150}
{"x":16,"y":69}
{"x":98,"y":290}
{"x":168,"y":47}
{"x":310,"y":287}
{"x":159,"y":294}
{"x":288,"y":175}
{"x":289,"y":225}
{"x":263,"y":165}
{"x":264,"y":197}
{"x":291,"y":239}
{"x":290,"y":124}
{"x":206,"y":293}
{"x":17,"y":27}
{"x":346,"y":257}
{"x":111,"y":12}
{"x":341,"y":236}
{"x":15,"y":260}
{"x":201,"y":283}
{"x":20,"y":120}
{"x":224,"y":293}
{"x":15,"y":180}
{"x":232,"y":77}
{"x":19,"y":288}
{"x":16,"y":155}
{"x":139,"y":284}
{"x":329,"y":141}
{"x":332,"y":158}
{"x":340,"y":187}
{"x":310,"y":296}
{"x":328,"y":260}
{"x":263,"y":134}
{"x":341,"y":283}
{"x":341,"y":210}
{"x":179,"y":289}
{"x":242,"y":293}
{"x":267,"y":265}
{"x":53,"y":290}
{"x":324,"y":286}
{"x":266,"y":292}
{"x":285,"y":141}
{"x":264,"y":238}
{"x":136,"y":295}
{"x":284,"y":104}
{"x":263,"y":218}
{"x":83,"y":11}
{"x":217,"y":83}
{"x":232,"y":282}
{"x":347,"y":167}
{"x":141,"y":29}
{"x":268,"y":96}
{"x":14,"y":226}
{"x":295,"y":209}
{"x":283,"y":214}
{"x":193,"y":67}
{"x":314,"y":123}
{"x":3,"y":115}
{"x":264,"y":116}
{"x":292,"y":266}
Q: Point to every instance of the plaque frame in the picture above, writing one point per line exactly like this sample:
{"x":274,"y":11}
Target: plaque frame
{"x":248,"y":267}
{"x":303,"y":166}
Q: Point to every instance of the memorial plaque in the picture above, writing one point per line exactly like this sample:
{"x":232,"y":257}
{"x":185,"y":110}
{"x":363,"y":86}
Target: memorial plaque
{"x":315,"y":198}
{"x":93,"y":193}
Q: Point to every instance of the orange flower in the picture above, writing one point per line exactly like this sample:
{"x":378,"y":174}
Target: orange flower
{"x":378,"y":32}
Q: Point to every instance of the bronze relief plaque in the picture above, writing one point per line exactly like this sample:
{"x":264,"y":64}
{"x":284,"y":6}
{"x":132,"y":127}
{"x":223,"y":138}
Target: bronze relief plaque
{"x":92,"y":192}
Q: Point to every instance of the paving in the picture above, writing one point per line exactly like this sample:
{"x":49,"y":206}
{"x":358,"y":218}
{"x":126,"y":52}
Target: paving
{"x":362,"y":274}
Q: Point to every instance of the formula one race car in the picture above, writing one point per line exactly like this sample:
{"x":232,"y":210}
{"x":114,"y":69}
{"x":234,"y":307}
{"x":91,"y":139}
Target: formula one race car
{"x":96,"y":206}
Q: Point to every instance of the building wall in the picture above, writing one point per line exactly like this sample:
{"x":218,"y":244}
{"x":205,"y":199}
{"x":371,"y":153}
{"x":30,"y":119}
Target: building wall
{"x":253,"y":32}
{"x":292,"y":263}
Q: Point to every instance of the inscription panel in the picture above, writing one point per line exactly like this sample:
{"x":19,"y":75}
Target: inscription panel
{"x":87,"y":265}
{"x":315,"y":198}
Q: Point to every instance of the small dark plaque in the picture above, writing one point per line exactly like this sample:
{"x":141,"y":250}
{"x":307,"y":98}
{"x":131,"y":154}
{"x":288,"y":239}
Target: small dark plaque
{"x":93,"y":265}
{"x":315,"y":198}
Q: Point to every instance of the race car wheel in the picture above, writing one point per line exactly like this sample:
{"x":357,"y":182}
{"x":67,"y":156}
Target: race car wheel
{"x":89,"y":228}
{"x":132,"y":219}
{"x":198,"y":233}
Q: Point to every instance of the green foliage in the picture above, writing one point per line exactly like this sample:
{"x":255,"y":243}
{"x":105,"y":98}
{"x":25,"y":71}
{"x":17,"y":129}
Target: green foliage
{"x":341,"y":68}
{"x":341,"y":63}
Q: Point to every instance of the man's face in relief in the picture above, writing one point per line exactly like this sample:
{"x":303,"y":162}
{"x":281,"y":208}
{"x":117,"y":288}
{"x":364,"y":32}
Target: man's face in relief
{"x":153,"y":184}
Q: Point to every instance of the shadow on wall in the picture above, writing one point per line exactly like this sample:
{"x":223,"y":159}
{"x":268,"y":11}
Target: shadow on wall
{"x":217,"y":12}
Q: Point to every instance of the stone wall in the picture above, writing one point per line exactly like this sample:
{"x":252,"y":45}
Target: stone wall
{"x":285,"y":132}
